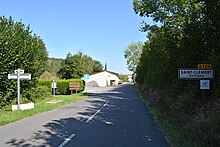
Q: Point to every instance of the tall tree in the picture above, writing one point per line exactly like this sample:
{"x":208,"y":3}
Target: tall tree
{"x":97,"y":66}
{"x":19,"y":48}
{"x":188,"y":33}
{"x":72,"y":67}
{"x":132,"y":54}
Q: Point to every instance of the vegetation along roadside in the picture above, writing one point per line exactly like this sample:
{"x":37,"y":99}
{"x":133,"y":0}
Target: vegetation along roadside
{"x":7,"y":116}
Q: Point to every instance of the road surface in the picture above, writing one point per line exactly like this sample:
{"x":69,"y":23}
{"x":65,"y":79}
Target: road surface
{"x":112,"y":117}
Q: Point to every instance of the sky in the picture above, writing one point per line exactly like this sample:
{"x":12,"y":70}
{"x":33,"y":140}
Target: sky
{"x":101,"y":29}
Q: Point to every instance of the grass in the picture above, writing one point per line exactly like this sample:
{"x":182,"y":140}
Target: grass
{"x":8,"y":116}
{"x":173,"y":133}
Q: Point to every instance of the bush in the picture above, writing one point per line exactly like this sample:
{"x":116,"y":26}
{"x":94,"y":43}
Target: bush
{"x":46,"y":83}
{"x":62,"y":85}
{"x":40,"y":92}
{"x":199,"y":119}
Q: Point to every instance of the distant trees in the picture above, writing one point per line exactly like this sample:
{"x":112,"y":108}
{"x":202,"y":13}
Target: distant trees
{"x":74,"y":66}
{"x":19,"y":48}
{"x":132,"y":55}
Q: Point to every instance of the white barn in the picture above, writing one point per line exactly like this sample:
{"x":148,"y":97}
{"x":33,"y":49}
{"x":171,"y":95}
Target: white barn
{"x":102,"y":79}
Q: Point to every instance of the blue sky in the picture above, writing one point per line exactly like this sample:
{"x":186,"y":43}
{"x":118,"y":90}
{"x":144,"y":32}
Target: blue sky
{"x":101,"y":29}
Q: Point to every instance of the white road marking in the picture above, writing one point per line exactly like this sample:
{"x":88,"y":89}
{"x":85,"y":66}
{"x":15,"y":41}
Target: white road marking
{"x":67,"y":140}
{"x":91,"y":117}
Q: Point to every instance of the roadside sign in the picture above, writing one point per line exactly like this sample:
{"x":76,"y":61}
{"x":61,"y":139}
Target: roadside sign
{"x":195,"y":74}
{"x":205,"y":66}
{"x":54,"y":84}
{"x":25,"y":76}
{"x":86,"y":77}
{"x":204,"y":84}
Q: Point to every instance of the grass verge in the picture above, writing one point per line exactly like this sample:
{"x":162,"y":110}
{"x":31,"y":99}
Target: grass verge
{"x":8,"y":116}
{"x":173,"y":133}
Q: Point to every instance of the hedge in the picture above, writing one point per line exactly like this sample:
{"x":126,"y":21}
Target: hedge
{"x":62,"y":85}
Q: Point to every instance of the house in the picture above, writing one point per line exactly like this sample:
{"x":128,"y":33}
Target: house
{"x":102,"y":79}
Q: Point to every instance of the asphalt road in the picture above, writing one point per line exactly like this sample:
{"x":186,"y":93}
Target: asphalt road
{"x":112,"y":117}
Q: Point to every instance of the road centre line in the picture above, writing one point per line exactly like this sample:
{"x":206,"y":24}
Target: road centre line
{"x":91,"y":117}
{"x":67,"y":140}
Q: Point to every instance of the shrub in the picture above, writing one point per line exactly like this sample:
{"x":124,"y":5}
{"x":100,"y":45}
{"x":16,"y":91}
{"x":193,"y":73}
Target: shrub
{"x":40,"y":92}
{"x":46,"y":83}
{"x":63,"y":85}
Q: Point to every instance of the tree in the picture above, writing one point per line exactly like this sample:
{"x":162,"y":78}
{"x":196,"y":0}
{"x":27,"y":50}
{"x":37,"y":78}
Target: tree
{"x":132,"y":54}
{"x":74,"y":66}
{"x":188,"y":34}
{"x":19,"y":48}
{"x":97,"y":66}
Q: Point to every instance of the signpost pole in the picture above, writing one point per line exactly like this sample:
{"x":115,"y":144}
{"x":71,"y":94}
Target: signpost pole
{"x":53,"y":87}
{"x":19,"y":75}
{"x":203,"y":94}
{"x":18,"y":79}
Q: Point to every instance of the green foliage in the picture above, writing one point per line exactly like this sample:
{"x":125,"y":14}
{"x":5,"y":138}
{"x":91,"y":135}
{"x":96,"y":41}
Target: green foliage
{"x":7,"y":116}
{"x":97,"y":67}
{"x":63,"y":85}
{"x":188,"y":34}
{"x":40,"y":92}
{"x":132,"y":54}
{"x":54,"y":65}
{"x":124,"y":78}
{"x":47,"y":83}
{"x":74,"y":66}
{"x":49,"y":75}
{"x":19,"y":48}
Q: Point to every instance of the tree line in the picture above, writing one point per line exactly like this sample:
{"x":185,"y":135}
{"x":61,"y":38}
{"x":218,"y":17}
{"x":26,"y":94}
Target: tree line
{"x":73,"y":66}
{"x":185,"y":33}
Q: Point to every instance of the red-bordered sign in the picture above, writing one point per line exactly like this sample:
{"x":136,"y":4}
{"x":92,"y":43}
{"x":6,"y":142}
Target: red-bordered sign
{"x":195,"y":74}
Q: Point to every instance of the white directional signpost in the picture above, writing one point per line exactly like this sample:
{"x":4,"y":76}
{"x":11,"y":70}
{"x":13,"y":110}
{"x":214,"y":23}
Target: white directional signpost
{"x":19,"y":75}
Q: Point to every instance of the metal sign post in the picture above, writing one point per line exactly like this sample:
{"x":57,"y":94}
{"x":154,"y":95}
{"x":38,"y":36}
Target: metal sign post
{"x":19,"y":74}
{"x":54,"y":86}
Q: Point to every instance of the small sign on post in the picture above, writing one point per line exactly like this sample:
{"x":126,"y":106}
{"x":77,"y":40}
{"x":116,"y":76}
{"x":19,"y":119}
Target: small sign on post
{"x":86,"y":77}
{"x":54,"y":86}
{"x":19,"y":75}
{"x":204,"y":84}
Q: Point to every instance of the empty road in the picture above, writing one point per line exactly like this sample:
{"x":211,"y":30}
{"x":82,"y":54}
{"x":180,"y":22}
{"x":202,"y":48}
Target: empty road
{"x":112,"y":117}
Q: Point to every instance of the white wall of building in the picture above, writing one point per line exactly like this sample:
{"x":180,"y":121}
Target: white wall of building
{"x":103,"y":79}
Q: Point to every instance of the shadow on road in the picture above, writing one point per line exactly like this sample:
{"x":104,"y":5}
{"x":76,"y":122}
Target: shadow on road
{"x":124,"y":121}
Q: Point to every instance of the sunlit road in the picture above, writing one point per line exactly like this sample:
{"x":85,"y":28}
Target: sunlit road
{"x":113,"y":117}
